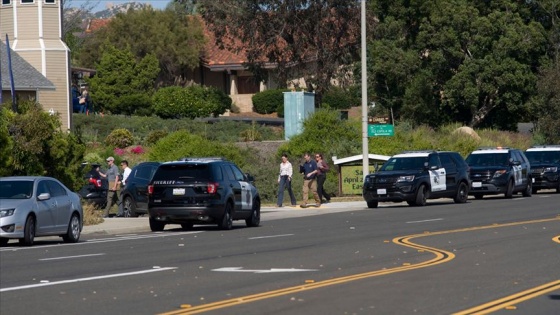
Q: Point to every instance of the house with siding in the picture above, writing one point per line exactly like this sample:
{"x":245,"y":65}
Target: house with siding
{"x":34,"y":29}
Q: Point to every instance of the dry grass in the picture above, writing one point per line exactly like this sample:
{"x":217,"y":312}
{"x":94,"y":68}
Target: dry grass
{"x":92,"y":215}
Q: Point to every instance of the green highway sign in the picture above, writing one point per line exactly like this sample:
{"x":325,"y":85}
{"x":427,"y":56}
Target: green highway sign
{"x":380,"y":130}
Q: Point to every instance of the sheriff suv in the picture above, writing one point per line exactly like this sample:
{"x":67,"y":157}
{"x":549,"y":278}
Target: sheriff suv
{"x":499,"y":170}
{"x":415,"y":176}
{"x":545,"y":166}
{"x":202,"y":191}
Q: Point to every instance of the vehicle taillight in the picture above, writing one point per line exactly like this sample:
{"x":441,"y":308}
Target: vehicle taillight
{"x":150,"y":189}
{"x":212,"y":188}
{"x":95,"y":182}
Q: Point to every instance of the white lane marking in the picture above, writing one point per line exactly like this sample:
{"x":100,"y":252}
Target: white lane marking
{"x":100,"y":240}
{"x":422,"y":221}
{"x":70,"y":257}
{"x":270,"y":236}
{"x":271,"y":270}
{"x":43,"y":284}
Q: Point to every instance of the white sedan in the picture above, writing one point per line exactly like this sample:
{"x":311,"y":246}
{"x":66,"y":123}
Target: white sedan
{"x":33,"y":206}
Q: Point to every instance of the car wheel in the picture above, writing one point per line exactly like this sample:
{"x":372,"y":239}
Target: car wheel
{"x":421,"y":196}
{"x":255,"y":219}
{"x":528,"y":192}
{"x":372,"y":204}
{"x":535,"y":190}
{"x":227,"y":222}
{"x":411,"y":203}
{"x":187,"y":226}
{"x":558,"y":188}
{"x":156,"y":226}
{"x":462,"y":193}
{"x":478,"y":196}
{"x":28,"y":232}
{"x":509,"y":190}
{"x":73,"y":233}
{"x":129,"y":208}
{"x":4,"y":241}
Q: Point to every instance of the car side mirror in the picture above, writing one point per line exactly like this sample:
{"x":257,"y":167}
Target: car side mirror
{"x":44,"y":196}
{"x":250,"y":177}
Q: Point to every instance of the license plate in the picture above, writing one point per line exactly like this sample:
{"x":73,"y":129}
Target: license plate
{"x":178,"y":191}
{"x":477,"y":184}
{"x":382,"y":191}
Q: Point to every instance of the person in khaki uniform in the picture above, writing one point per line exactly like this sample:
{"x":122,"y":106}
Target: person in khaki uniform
{"x":112,"y":176}
{"x":309,"y":170}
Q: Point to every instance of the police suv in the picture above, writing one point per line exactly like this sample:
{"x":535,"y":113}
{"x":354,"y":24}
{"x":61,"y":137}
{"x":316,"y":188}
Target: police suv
{"x":545,"y":166}
{"x":415,"y":176}
{"x":202,"y":191}
{"x":499,"y":170}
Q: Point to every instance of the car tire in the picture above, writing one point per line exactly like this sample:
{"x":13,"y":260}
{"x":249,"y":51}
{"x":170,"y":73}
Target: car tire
{"x":187,"y":226}
{"x":129,"y":208}
{"x":372,"y":204}
{"x":73,"y":233}
{"x":534,"y":190}
{"x":478,"y":196}
{"x":558,"y":188}
{"x":421,"y":196}
{"x":411,"y":203}
{"x":462,"y":193}
{"x":509,"y":190}
{"x":226,"y":222}
{"x":156,"y":226}
{"x":255,"y":219}
{"x":28,"y":232}
{"x":528,"y":192}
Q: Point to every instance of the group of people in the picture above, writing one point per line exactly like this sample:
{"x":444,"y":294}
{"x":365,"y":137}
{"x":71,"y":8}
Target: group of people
{"x":314,"y":176}
{"x":116,"y":180}
{"x":80,"y":101}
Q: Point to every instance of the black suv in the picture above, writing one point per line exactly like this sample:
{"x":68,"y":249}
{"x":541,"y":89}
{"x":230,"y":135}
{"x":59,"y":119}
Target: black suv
{"x":415,"y":176}
{"x":499,"y":170}
{"x":202,"y":191}
{"x":545,"y":166}
{"x":134,"y":194}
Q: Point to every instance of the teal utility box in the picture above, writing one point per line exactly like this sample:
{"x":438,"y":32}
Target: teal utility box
{"x":298,"y":106}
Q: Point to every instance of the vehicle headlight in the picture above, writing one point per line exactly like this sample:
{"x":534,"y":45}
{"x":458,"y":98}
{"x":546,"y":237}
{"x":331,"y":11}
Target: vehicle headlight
{"x":6,"y":212}
{"x":551,"y":169}
{"x":499,"y":173}
{"x":408,"y":178}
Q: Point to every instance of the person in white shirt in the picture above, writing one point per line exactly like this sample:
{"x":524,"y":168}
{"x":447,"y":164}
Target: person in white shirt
{"x":126,"y":173}
{"x":285,"y":181}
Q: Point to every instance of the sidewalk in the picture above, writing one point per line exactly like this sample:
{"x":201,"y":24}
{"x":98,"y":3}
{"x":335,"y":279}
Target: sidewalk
{"x":112,"y":226}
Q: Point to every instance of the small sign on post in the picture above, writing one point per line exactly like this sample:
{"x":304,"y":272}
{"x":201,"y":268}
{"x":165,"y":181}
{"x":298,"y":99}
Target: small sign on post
{"x":379,"y":126}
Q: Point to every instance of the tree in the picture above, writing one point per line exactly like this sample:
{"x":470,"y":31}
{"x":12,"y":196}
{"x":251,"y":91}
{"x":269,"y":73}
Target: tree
{"x":122,"y":85}
{"x":311,"y":39}
{"x":440,"y":61}
{"x":174,"y":38}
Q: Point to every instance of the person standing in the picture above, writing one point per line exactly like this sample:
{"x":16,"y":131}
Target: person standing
{"x":309,"y":170}
{"x":126,"y":173}
{"x":285,"y":181}
{"x":111,"y":175}
{"x":322,"y":168}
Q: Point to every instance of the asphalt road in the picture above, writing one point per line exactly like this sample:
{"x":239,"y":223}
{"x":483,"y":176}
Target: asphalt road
{"x":491,"y":255}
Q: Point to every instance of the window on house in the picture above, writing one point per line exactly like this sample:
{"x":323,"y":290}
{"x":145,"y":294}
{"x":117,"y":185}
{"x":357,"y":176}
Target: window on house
{"x":27,"y":1}
{"x":50,"y":1}
{"x":6,"y":2}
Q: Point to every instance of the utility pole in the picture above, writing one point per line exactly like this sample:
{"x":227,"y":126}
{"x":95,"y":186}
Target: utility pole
{"x":365,"y":149}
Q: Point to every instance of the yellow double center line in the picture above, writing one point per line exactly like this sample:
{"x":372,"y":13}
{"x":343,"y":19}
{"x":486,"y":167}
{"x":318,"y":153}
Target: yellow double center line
{"x":441,"y":256}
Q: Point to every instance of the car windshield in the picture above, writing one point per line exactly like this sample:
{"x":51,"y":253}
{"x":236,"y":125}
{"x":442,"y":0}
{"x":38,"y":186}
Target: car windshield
{"x":185,"y":172}
{"x":543,"y":156}
{"x":405,"y":163}
{"x":488,"y":159}
{"x":16,"y":189}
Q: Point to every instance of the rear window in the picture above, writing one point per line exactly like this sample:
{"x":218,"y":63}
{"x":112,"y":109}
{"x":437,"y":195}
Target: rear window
{"x":16,"y":189}
{"x":185,"y":172}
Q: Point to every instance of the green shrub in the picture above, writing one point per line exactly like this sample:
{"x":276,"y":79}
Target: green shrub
{"x":154,"y":136}
{"x":190,"y":102}
{"x":119,"y":138}
{"x":338,"y":98}
{"x":269,"y":101}
{"x":185,"y":144}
